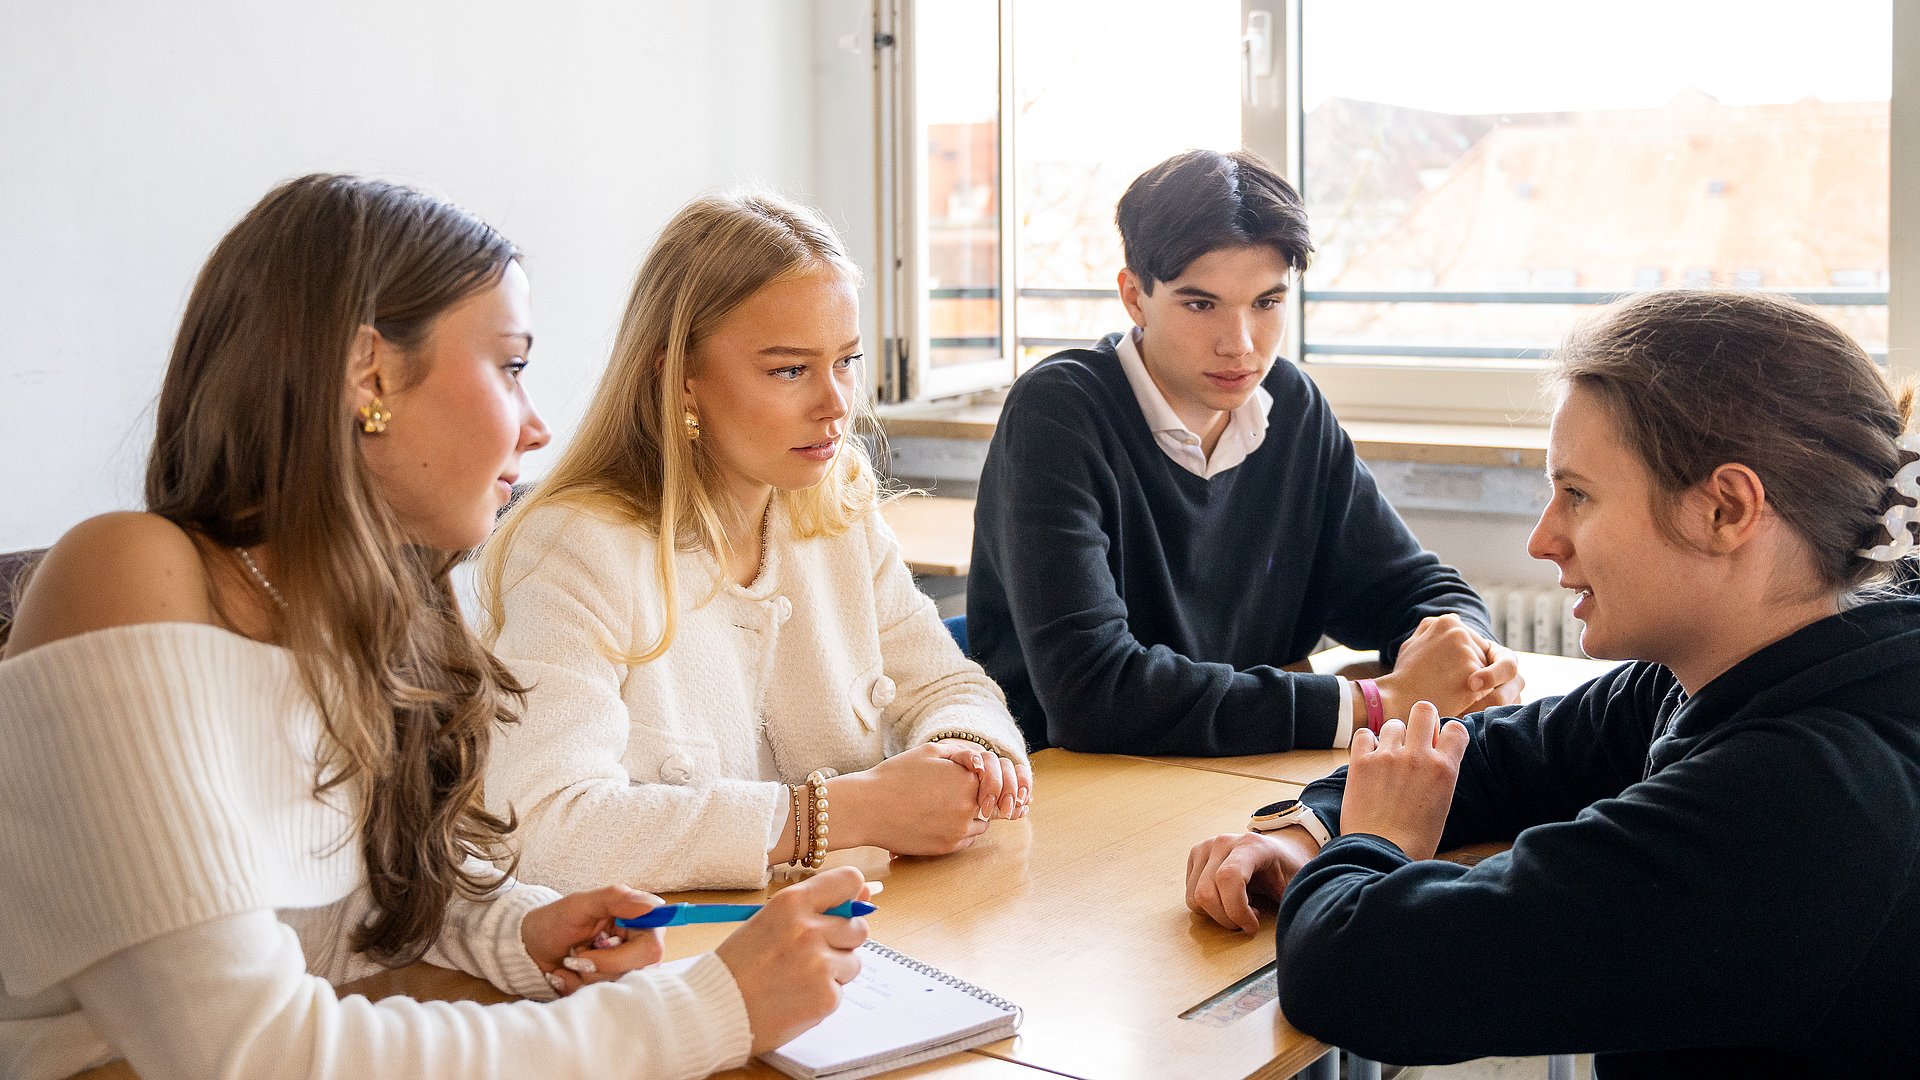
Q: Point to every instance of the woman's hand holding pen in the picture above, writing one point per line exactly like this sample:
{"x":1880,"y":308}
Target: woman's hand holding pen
{"x":1400,"y":785}
{"x":1006,"y":785}
{"x":574,"y":942}
{"x":790,"y":961}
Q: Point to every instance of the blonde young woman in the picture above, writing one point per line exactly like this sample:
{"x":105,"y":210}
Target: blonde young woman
{"x":245,"y":730}
{"x":714,"y":616}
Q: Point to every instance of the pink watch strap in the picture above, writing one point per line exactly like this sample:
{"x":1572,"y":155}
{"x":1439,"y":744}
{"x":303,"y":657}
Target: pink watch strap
{"x":1376,"y":712}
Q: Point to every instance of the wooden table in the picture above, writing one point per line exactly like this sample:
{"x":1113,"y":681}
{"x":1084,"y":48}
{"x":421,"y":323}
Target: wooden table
{"x":936,"y":533}
{"x":1075,"y":913}
{"x":1546,"y":676}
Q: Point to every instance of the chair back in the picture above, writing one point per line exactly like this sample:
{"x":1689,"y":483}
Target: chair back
{"x":957,"y":626}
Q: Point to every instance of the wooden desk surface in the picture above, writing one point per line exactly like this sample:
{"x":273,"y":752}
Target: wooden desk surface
{"x":1547,"y":676}
{"x":936,"y":533}
{"x":1075,"y":913}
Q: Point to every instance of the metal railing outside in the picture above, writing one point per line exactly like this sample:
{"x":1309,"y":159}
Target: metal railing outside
{"x":1818,"y":297}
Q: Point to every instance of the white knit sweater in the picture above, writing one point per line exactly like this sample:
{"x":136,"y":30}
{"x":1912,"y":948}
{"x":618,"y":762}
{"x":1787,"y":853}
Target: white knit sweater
{"x":157,"y":810}
{"x":651,"y":773}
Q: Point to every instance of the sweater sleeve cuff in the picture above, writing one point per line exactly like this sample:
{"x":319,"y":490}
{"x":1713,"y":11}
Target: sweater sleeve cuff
{"x":1343,"y":731}
{"x":1361,"y":853}
{"x":1324,"y":797}
{"x":519,"y":973}
{"x":781,"y":821}
{"x":708,"y":1002}
{"x":1364,"y":850}
{"x":1318,"y":702}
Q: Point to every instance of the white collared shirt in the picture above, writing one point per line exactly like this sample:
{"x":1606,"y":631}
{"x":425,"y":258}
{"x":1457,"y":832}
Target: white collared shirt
{"x":1246,"y":425}
{"x":1246,"y":430}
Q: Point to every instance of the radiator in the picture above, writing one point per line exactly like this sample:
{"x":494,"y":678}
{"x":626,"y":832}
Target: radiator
{"x":1533,"y":618}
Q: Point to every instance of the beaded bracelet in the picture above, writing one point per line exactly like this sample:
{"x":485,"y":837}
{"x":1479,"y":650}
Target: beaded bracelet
{"x":816,"y":856}
{"x":966,"y":736}
{"x":799,"y":824}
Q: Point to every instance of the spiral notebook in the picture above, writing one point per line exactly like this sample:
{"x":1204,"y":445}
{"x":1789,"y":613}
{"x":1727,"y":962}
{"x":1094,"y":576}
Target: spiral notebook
{"x":899,"y":1012}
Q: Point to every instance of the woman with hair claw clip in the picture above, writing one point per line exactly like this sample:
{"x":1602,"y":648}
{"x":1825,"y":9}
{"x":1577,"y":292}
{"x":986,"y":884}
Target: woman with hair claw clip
{"x":1715,"y":867}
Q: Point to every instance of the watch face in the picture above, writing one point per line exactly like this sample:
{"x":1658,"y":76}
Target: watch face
{"x":1277,"y":808}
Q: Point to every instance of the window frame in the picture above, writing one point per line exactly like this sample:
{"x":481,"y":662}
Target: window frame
{"x":1271,"y":125}
{"x":906,"y":373}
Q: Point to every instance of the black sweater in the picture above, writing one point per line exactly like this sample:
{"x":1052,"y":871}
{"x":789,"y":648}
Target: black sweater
{"x":1750,"y":908}
{"x":1129,"y":606}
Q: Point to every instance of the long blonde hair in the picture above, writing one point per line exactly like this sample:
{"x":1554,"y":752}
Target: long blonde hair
{"x":256,"y":444}
{"x":631,"y":456}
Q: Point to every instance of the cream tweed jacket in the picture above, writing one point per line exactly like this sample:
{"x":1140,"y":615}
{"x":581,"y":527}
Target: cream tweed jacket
{"x":650,"y":773}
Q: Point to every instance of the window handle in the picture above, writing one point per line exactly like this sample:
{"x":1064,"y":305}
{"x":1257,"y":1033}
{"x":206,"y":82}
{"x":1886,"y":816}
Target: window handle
{"x":1256,"y":54}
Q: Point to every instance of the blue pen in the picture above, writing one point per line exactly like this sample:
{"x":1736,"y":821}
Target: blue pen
{"x":682,"y":914}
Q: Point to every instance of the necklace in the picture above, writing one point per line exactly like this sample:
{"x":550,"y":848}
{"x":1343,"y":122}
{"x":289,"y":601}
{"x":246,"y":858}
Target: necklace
{"x":766,"y":539}
{"x":254,"y":569}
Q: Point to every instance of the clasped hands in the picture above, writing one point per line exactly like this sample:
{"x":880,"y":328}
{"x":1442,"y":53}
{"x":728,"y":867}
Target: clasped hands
{"x":1448,"y":663}
{"x":1004,"y":786}
{"x":932,"y":799}
{"x":1399,"y":787}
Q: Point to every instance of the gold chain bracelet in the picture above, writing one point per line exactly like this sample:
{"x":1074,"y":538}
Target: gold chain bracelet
{"x":799,"y":824}
{"x":816,"y":856}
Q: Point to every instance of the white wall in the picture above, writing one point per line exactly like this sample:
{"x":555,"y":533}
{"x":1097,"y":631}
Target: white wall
{"x":1487,"y":549}
{"x":133,"y":134}
{"x":844,"y":141}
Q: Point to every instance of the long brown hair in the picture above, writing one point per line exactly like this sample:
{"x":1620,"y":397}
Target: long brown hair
{"x":1700,"y":378}
{"x":630,"y":454}
{"x":256,"y":444}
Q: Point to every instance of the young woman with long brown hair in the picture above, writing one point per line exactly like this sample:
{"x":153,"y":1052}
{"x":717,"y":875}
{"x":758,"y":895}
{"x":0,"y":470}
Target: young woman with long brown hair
{"x":1715,"y":867}
{"x":709,"y":606}
{"x":246,"y":729}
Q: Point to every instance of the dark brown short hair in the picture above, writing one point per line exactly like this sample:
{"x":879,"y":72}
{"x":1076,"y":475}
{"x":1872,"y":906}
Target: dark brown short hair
{"x":1201,"y":201}
{"x":1697,"y":379}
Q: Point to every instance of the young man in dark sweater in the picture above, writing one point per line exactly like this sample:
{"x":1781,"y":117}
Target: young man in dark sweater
{"x":1169,"y":521}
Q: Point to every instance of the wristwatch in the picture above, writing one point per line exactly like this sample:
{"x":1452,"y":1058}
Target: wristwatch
{"x":1276,"y":816}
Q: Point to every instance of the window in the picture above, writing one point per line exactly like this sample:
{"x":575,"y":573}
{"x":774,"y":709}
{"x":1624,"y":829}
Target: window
{"x":958,"y":103}
{"x":1477,"y":179}
{"x":1061,"y":104}
{"x":1537,"y":159}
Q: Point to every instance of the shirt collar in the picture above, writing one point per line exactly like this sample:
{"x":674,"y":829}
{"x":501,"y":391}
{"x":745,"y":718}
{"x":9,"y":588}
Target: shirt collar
{"x":1250,"y":419}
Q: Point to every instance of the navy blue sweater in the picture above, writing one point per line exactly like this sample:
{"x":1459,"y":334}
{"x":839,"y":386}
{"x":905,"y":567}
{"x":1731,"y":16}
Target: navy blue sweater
{"x":1738,"y":897}
{"x":1129,"y":606}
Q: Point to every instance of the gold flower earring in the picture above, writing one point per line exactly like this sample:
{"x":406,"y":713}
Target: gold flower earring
{"x":374,"y":416}
{"x":693,"y":425}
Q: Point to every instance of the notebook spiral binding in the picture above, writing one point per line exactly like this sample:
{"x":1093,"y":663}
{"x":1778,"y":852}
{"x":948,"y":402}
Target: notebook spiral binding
{"x":957,"y":983}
